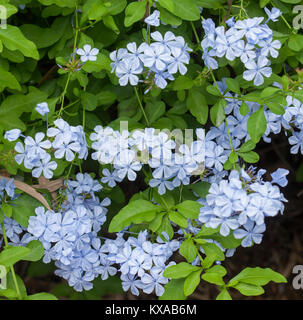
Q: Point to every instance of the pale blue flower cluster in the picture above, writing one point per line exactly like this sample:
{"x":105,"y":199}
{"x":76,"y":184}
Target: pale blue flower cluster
{"x":65,"y":141}
{"x":173,"y":164}
{"x":243,"y":200}
{"x":248,"y":39}
{"x":159,"y":61}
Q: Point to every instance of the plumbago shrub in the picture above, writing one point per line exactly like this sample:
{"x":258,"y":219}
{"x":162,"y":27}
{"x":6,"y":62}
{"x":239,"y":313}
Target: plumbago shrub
{"x":128,"y":135}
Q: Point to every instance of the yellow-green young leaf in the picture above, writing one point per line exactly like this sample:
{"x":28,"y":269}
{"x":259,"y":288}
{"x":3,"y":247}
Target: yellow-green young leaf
{"x":180,"y":270}
{"x":41,"y":296}
{"x":249,"y":289}
{"x":8,"y":293}
{"x":13,"y":39}
{"x":205,"y":232}
{"x":137,"y":211}
{"x":224,"y":295}
{"x":213,"y":90}
{"x":213,"y":253}
{"x":258,"y":276}
{"x":299,"y":95}
{"x":191,"y":282}
{"x":177,"y":218}
{"x":189,"y":209}
{"x":256,"y":125}
{"x":174,"y":290}
{"x":9,"y":256}
{"x":134,"y":12}
{"x":215,"y":275}
{"x":233,"y":157}
{"x":188,"y":250}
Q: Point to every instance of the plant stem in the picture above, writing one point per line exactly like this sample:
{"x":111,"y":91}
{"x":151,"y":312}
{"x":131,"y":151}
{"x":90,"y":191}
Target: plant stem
{"x":141,"y":106}
{"x":195,"y":33}
{"x":12,"y":267}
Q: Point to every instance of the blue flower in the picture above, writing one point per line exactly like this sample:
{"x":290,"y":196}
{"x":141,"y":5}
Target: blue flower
{"x":153,"y":19}
{"x":279,"y":177}
{"x":42,"y":108}
{"x":273,"y":15}
{"x":256,"y":70}
{"x":12,"y":135}
{"x":251,"y":234}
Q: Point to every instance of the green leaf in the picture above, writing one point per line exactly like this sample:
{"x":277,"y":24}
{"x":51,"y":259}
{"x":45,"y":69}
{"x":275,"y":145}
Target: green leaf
{"x":134,"y":12}
{"x":213,"y":253}
{"x":269,"y":91}
{"x":228,"y":242}
{"x":244,"y":109}
{"x":247,"y":146}
{"x":14,"y":105}
{"x":213,"y":90}
{"x":102,"y":63}
{"x":155,"y":110}
{"x":177,"y":218}
{"x":295,"y":42}
{"x":191,"y":282}
{"x":188,"y":250}
{"x":257,"y":276}
{"x":14,"y":39}
{"x":167,"y":4}
{"x":233,"y":85}
{"x":89,"y":101}
{"x":8,"y":80}
{"x":183,"y":83}
{"x":189,"y":209}
{"x":155,"y":224}
{"x":110,"y":23}
{"x":201,"y":188}
{"x":174,"y":290}
{"x":249,"y":289}
{"x":166,"y":227}
{"x":186,"y":9}
{"x":197,"y":105}
{"x":217,"y":113}
{"x":7,"y":209}
{"x":205,"y":232}
{"x":36,"y":251}
{"x":256,"y":125}
{"x":291,"y":1}
{"x":215,"y":275}
{"x":41,"y":296}
{"x":224,"y":295}
{"x":137,"y":211}
{"x":23,"y":208}
{"x":299,"y":95}
{"x":9,"y":256}
{"x":168,"y":17}
{"x":116,"y":6}
{"x":233,"y":157}
{"x":250,"y":157}
{"x":180,"y":270}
